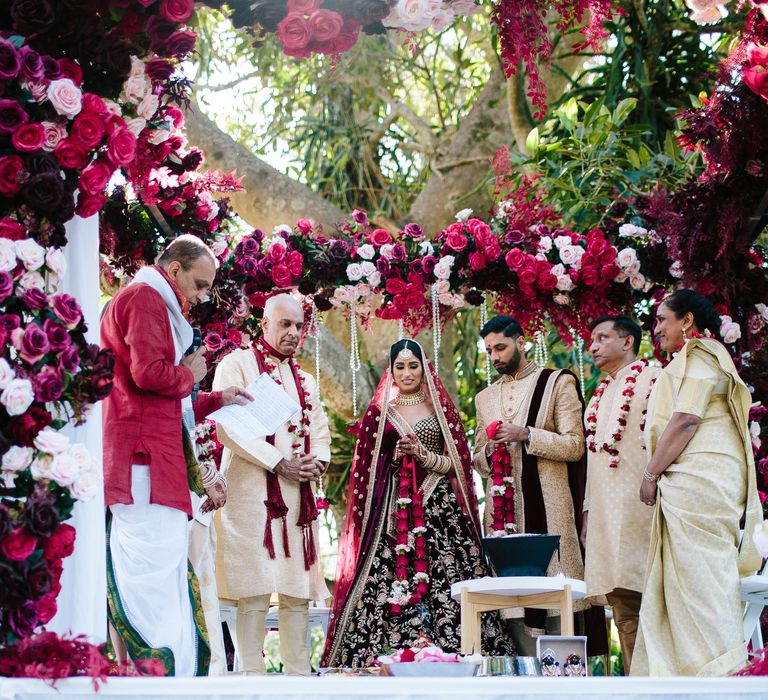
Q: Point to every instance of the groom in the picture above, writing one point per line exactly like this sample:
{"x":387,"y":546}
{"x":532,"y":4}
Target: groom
{"x":538,"y":415}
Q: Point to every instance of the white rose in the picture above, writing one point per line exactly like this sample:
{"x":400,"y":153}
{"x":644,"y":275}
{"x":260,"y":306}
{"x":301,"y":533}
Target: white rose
{"x":557,"y":270}
{"x":374,"y":279}
{"x":426,"y":248}
{"x":56,"y":262}
{"x":51,"y":441}
{"x":80,"y":454}
{"x":137,"y":68}
{"x":708,"y":16}
{"x":626,"y":257}
{"x":17,"y":458}
{"x":445,"y":299}
{"x":545,"y":244}
{"x":633,"y":269}
{"x":442,"y":272}
{"x":7,"y":255}
{"x":569,"y":254}
{"x":135,"y":89}
{"x":281,"y":228}
{"x":65,"y":97}
{"x":64,"y":469}
{"x":632,"y":231}
{"x":366,"y":252}
{"x":564,"y":283}
{"x":361,"y":290}
{"x":386,"y":250}
{"x":30,"y":253}
{"x":730,"y":332}
{"x":136,"y":125}
{"x":158,"y":136}
{"x":676,"y":270}
{"x":148,"y":106}
{"x":561,"y":299}
{"x":17,"y":396}
{"x":219,"y":248}
{"x":762,"y":309}
{"x":441,"y":286}
{"x":113,"y":108}
{"x":760,"y":538}
{"x":463,"y":215}
{"x":41,"y":467}
{"x":354,"y":272}
{"x":6,"y":373}
{"x":341,"y":295}
{"x":561,"y":241}
{"x":86,"y":485}
{"x":367,"y":268}
{"x":637,"y":281}
{"x":31,"y":279}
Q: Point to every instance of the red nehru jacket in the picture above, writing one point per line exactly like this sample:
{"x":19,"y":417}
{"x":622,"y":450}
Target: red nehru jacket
{"x":142,"y":415}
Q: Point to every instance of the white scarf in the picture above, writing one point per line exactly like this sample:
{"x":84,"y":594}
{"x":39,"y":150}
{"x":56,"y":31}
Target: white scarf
{"x":181,"y":330}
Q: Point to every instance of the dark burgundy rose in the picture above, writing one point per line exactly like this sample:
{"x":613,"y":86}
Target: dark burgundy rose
{"x":247,"y":265}
{"x":159,"y":69}
{"x":31,"y":64}
{"x":258,"y":235}
{"x":38,"y":163}
{"x":119,"y":55}
{"x":51,"y":69}
{"x":6,"y":285}
{"x":32,"y":16}
{"x":159,"y":29}
{"x":179,"y":44}
{"x":45,"y":193}
{"x":69,"y":359}
{"x":413,"y":231}
{"x":46,"y":607}
{"x":474,"y":297}
{"x":42,"y":517}
{"x":193,"y":160}
{"x":10,"y":322}
{"x":34,"y":344}
{"x":35,"y":298}
{"x":13,"y":589}
{"x":514,"y":237}
{"x":416,"y":266}
{"x":398,"y":253}
{"x":9,"y":60}
{"x":23,"y":619}
{"x":24,"y":428}
{"x":338,"y":250}
{"x":58,"y":336}
{"x":6,"y":524}
{"x":12,"y":116}
{"x":48,"y":386}
{"x":322,"y":303}
{"x":429,"y":263}
{"x":268,"y":15}
{"x":383,"y":265}
{"x":38,"y":577}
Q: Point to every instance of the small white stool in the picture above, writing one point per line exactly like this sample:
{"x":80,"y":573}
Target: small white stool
{"x":496,"y":593}
{"x":754,"y":592}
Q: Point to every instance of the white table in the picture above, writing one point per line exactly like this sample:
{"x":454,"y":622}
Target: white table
{"x":495,"y":593}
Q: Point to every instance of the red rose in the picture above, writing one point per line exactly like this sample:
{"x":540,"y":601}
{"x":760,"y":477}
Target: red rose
{"x":71,"y":154}
{"x":325,"y":25}
{"x":276,"y":253}
{"x":609,"y":272}
{"x":121,"y":146}
{"x":29,"y":138}
{"x":281,"y":275}
{"x":46,"y":608}
{"x":88,"y":129}
{"x":24,"y":428}
{"x":346,"y":38}
{"x":179,"y":44}
{"x":12,"y":229}
{"x":407,"y":655}
{"x":608,"y":255}
{"x":380,"y":237}
{"x":294,"y":33}
{"x":395,"y":286}
{"x":94,"y":179}
{"x":547,"y":281}
{"x":589,"y":276}
{"x":415,"y":300}
{"x":515,"y":258}
{"x":10,"y":167}
{"x":476,"y":261}
{"x":295,"y":263}
{"x":94,"y":104}
{"x":71,"y":69}
{"x":19,"y":544}
{"x":90,"y":204}
{"x":456,"y":241}
{"x":527,"y":276}
{"x":60,"y":544}
{"x":478,"y":228}
{"x":177,"y":10}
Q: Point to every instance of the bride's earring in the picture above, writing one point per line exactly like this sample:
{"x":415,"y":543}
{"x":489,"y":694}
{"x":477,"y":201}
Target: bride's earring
{"x":685,"y":335}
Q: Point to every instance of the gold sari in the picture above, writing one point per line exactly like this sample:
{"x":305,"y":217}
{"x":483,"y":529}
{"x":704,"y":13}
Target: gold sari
{"x":691,"y":616}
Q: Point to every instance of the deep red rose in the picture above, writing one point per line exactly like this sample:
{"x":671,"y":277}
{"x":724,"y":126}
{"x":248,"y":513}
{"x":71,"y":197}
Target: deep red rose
{"x":71,"y":69}
{"x":87,"y":129}
{"x":608,"y":255}
{"x":24,"y":428}
{"x":121,"y":146}
{"x":407,"y":655}
{"x":395,"y":286}
{"x":177,"y":10}
{"x":88,"y":205}
{"x":23,"y":620}
{"x":380,"y":237}
{"x":159,"y":69}
{"x":10,"y":167}
{"x":281,"y":275}
{"x":60,"y":544}
{"x":46,"y":608}
{"x":95,"y":177}
{"x":71,"y":154}
{"x":456,"y":241}
{"x":19,"y":544}
{"x":295,"y":263}
{"x":325,"y":25}
{"x":12,"y":116}
{"x":476,"y":261}
{"x":12,"y":229}
{"x":589,"y":276}
{"x":345,"y":39}
{"x":515,"y":258}
{"x":29,"y":138}
{"x":294,"y":33}
{"x":399,"y":253}
{"x":527,"y":276}
{"x":276,"y":253}
{"x":609,"y":272}
{"x":415,"y":300}
{"x":479,"y":229}
{"x":547,"y":281}
{"x":179,"y":44}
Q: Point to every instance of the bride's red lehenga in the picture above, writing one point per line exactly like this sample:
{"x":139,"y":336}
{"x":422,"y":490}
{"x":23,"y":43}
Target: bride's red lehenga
{"x":362,"y":624}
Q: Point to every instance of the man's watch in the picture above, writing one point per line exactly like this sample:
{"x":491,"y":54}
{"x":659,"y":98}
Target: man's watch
{"x":527,"y":435}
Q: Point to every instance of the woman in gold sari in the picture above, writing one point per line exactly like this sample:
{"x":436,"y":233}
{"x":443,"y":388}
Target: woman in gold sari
{"x":701,"y":480}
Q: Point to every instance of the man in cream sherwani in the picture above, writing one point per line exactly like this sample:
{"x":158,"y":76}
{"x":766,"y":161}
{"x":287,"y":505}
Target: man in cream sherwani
{"x":268,"y":532}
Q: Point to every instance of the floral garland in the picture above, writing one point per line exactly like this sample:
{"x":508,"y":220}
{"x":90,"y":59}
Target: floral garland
{"x":503,"y":487}
{"x":411,"y":539}
{"x":621,"y":420}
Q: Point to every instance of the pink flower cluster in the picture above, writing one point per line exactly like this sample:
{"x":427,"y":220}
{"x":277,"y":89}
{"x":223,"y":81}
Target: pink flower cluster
{"x":308,"y":29}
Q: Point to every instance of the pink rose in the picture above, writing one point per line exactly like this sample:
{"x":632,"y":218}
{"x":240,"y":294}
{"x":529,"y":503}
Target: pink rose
{"x":304,"y":226}
{"x":95,"y":177}
{"x":177,"y":10}
{"x":515,"y":258}
{"x":295,"y":263}
{"x":33,"y":343}
{"x":281,"y":275}
{"x":456,"y":241}
{"x":67,"y":309}
{"x":346,"y":39}
{"x":94,"y":104}
{"x":46,"y":608}
{"x":294,"y":33}
{"x":19,"y":545}
{"x":53,"y":134}
{"x":71,"y":155}
{"x":90,"y":204}
{"x":380,"y":237}
{"x":88,"y":129}
{"x":29,"y":138}
{"x":276,"y":252}
{"x":48,"y":385}
{"x":325,"y":25}
{"x":121,"y":146}
{"x":65,"y":97}
{"x":754,"y":73}
{"x":476,"y":261}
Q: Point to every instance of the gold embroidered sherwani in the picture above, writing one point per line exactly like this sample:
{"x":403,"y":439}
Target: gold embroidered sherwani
{"x":243,"y":566}
{"x":619,"y":523}
{"x":558,"y":439}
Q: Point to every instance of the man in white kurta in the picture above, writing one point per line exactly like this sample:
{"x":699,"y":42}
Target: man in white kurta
{"x":617,"y":525}
{"x":245,"y":569}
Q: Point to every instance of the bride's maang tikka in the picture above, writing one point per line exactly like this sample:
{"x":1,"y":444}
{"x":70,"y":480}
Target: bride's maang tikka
{"x":406,"y":353}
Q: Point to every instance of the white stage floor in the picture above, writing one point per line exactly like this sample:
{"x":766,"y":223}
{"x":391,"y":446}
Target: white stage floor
{"x":233,"y":687}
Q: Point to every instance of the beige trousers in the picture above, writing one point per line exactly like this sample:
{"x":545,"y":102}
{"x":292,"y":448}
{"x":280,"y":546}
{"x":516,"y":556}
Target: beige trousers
{"x":626,"y":615}
{"x":293,"y":621}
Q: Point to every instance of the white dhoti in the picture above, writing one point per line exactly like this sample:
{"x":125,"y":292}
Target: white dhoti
{"x":148,"y":547}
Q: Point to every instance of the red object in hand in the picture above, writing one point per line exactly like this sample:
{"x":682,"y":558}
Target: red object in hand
{"x":492,"y":429}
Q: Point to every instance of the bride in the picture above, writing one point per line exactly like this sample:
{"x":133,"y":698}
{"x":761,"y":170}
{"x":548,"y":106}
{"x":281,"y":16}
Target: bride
{"x":411,"y":526}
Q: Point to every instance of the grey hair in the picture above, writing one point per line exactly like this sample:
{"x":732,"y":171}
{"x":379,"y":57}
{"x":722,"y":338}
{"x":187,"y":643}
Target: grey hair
{"x":272,"y":302}
{"x":185,"y":250}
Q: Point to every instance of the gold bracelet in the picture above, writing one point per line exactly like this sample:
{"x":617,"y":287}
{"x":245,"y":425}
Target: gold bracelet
{"x":653,"y":478}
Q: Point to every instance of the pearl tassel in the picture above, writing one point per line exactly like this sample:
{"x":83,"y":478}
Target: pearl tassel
{"x":437,"y":333}
{"x":354,"y":358}
{"x":541,"y":352}
{"x":315,"y":333}
{"x":400,"y":329}
{"x":580,"y":360}
{"x":483,"y":321}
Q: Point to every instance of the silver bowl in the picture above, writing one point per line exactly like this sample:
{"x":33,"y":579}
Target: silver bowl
{"x":411,"y":669}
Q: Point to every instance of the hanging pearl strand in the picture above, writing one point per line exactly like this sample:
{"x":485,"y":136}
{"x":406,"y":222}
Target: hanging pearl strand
{"x":580,"y":360}
{"x":400,"y":329}
{"x":354,"y":358}
{"x":483,"y":321}
{"x":541,"y":352}
{"x":315,"y":333}
{"x":437,"y":334}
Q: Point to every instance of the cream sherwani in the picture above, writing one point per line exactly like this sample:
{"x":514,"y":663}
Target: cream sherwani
{"x":557,"y":437}
{"x":619,"y":523}
{"x":243,"y":565}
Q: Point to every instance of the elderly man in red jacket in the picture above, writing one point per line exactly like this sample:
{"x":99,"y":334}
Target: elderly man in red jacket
{"x":145,"y":465}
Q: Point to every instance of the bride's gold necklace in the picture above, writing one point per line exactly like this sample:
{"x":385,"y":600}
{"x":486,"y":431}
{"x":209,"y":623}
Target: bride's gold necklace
{"x":411,"y":399}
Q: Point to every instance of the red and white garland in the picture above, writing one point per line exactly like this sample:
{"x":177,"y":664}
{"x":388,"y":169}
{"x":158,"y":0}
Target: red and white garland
{"x":411,"y":542}
{"x":502,"y":487}
{"x":621,"y":420}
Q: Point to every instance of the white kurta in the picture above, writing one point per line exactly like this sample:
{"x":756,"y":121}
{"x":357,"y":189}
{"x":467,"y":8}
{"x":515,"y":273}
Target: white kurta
{"x":243,"y":565}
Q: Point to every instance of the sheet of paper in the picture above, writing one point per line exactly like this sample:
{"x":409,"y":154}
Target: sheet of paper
{"x":271,"y":407}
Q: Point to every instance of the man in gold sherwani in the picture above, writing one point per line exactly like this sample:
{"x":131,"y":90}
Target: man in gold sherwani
{"x":616,"y":527}
{"x":541,"y":426}
{"x":268,"y":533}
